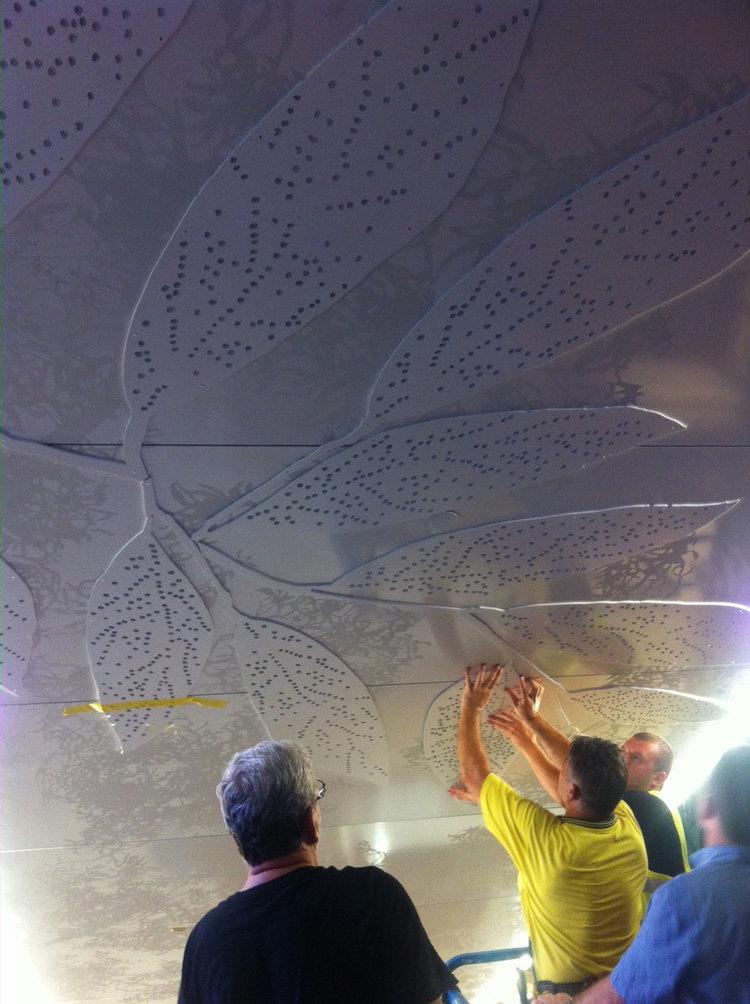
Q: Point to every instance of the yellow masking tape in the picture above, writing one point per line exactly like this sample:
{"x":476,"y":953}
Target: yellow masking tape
{"x":169,"y":702}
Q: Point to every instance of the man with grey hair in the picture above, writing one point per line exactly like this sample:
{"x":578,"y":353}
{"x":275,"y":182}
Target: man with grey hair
{"x":296,"y":931}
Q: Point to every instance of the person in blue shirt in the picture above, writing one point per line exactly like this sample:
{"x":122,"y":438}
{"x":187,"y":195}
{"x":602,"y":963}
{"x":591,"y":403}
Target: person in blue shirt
{"x":694,"y":945}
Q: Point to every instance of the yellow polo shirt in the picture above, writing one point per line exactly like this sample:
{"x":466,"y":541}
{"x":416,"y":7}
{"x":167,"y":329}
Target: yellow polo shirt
{"x":580,"y":883}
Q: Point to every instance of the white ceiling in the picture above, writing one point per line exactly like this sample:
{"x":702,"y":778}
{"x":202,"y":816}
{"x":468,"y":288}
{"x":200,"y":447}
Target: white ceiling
{"x":505,"y":413}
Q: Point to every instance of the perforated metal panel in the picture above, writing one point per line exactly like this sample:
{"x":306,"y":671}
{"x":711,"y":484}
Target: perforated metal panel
{"x":441,"y":728}
{"x":18,"y":626}
{"x":148,"y":635}
{"x":468,"y":567}
{"x":304,"y":693}
{"x":649,"y":229}
{"x":440,"y":731}
{"x":65,"y":67}
{"x":651,"y":708}
{"x":353,"y":162}
{"x":560,"y":636}
{"x":422,"y":469}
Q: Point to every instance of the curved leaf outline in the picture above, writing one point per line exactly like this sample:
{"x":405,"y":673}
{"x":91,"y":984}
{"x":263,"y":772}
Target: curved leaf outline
{"x":417,"y":470}
{"x":17,"y":629}
{"x":467,"y":567}
{"x":148,"y":635}
{"x":62,"y":78}
{"x":305,"y":693}
{"x":578,"y":638}
{"x":643,"y":707}
{"x":645,"y":232}
{"x":348,"y":167}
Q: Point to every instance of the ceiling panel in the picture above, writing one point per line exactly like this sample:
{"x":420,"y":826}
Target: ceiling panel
{"x":185,"y":559}
{"x":381,"y":643}
{"x":602,"y":108}
{"x":116,"y":206}
{"x":101,"y":58}
{"x":66,"y":781}
{"x":63,"y":524}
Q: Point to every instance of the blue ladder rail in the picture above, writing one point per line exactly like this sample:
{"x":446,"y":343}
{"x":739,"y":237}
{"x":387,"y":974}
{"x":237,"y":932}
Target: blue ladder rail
{"x":477,"y":958}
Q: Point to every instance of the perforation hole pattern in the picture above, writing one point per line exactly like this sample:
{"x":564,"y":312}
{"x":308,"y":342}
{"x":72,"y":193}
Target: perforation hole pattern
{"x":650,"y":708}
{"x":65,"y":66}
{"x":18,"y":627}
{"x":646,"y":634}
{"x":427,"y":468}
{"x":467,"y":567}
{"x":148,"y":635}
{"x":351,"y":164}
{"x":303,"y":692}
{"x":649,"y":229}
{"x":439,"y":737}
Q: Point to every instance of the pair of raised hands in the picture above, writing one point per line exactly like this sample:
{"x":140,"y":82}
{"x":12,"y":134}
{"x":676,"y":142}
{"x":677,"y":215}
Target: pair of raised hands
{"x":525,"y":697}
{"x":513,"y":722}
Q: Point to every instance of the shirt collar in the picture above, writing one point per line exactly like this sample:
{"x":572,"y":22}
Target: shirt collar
{"x":599,"y":824}
{"x":719,"y":852}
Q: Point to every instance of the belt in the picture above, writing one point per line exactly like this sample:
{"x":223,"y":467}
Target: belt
{"x":548,"y":987}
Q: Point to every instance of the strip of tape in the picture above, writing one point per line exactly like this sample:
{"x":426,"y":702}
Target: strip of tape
{"x":169,"y":702}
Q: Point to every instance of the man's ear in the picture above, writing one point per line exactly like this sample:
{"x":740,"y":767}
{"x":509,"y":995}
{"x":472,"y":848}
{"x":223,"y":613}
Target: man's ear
{"x":658,"y":780}
{"x":706,"y":807}
{"x":311,"y":826}
{"x":573,"y":792}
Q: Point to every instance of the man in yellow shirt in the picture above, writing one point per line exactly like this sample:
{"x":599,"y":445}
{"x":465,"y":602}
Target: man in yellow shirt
{"x":580,"y":874}
{"x":648,"y":758}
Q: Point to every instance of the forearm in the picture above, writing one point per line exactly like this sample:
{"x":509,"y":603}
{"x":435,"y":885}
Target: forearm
{"x":546,"y":773}
{"x":472,"y":756}
{"x":600,"y":993}
{"x":554,"y":744}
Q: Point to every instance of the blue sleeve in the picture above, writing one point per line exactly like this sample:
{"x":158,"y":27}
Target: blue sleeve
{"x":652,"y":969}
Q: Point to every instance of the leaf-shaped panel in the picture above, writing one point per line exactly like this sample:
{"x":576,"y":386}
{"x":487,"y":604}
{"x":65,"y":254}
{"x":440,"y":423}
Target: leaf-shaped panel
{"x":646,"y":231}
{"x":350,"y":165}
{"x":468,"y":567}
{"x":441,"y":728}
{"x":305,"y":693}
{"x":148,"y":635}
{"x":568,"y":638}
{"x":65,"y":67}
{"x":18,"y":627}
{"x":418,"y":470}
{"x":642,"y":707}
{"x":440,"y":731}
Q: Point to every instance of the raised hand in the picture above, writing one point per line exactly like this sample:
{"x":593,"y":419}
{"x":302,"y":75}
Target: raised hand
{"x":526,"y":697}
{"x":479,"y":686}
{"x":512,"y":727}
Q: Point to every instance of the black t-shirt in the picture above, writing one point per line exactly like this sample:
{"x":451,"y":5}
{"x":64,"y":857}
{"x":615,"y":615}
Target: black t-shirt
{"x":659,"y":832}
{"x":311,"y":936}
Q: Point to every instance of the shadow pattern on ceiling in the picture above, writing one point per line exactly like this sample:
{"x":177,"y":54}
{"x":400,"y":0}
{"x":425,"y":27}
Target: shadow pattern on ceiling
{"x":352,"y":164}
{"x":647,"y":231}
{"x":349,"y":166}
{"x":66,"y":67}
